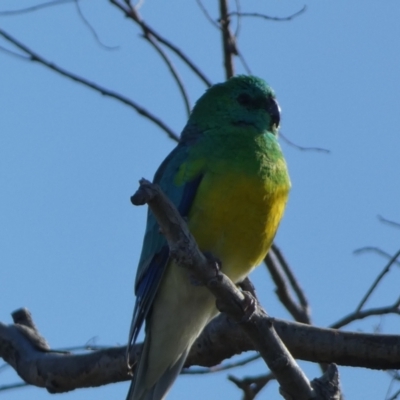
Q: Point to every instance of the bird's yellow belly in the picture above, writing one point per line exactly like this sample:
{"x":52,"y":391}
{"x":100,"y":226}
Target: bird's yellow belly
{"x":236,"y":218}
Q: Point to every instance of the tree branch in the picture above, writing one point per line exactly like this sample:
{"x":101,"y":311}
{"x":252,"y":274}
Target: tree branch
{"x":361,"y":314}
{"x":285,"y":280}
{"x":132,"y":14}
{"x":221,"y":339}
{"x":34,"y":57}
{"x":377,"y":280}
{"x":34,"y":8}
{"x":228,"y":40}
{"x":251,"y":386}
{"x":264,"y":16}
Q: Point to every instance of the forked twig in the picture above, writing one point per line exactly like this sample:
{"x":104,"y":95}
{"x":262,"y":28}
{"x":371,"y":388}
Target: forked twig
{"x":377,"y":280}
{"x":133,"y":15}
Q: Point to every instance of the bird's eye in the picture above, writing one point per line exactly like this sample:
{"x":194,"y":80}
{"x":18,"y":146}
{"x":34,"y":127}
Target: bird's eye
{"x":244,"y":99}
{"x":274,"y":110}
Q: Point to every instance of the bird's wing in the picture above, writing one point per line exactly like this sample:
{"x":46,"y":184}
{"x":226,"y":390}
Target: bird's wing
{"x":155,"y":251}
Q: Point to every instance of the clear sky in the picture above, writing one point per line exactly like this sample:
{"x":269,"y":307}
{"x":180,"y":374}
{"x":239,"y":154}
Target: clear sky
{"x":70,"y":159}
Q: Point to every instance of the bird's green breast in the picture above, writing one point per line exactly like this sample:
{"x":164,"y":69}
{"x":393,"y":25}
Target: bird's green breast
{"x":240,"y":201}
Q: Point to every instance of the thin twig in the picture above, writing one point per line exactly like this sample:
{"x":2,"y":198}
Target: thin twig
{"x":13,"y":54}
{"x":165,"y":42}
{"x":238,"y":19}
{"x":244,"y":63}
{"x":207,"y":15}
{"x":388,"y":221}
{"x":219,"y":368}
{"x":358,"y":314}
{"x":375,"y":249}
{"x":289,"y":142}
{"x":285,"y":281}
{"x":105,"y":92}
{"x":395,"y":396}
{"x":292,"y":279}
{"x":33,"y":8}
{"x":172,"y":69}
{"x":264,"y":16}
{"x":11,"y":386}
{"x":251,"y":386}
{"x":91,"y":29}
{"x":377,"y":280}
{"x":153,"y":41}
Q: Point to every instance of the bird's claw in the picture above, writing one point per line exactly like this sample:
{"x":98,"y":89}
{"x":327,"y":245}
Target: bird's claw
{"x":249,"y":307}
{"x":214,"y":263}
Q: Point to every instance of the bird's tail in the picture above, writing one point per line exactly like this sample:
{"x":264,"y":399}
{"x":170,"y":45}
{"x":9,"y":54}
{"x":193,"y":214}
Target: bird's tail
{"x":139,"y":390}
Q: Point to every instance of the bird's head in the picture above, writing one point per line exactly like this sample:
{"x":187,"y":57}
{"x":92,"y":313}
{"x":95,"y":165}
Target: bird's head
{"x":240,"y":101}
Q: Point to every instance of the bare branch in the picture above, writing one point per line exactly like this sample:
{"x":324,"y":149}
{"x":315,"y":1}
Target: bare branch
{"x":292,"y":279}
{"x":34,"y":8}
{"x":377,"y":280}
{"x":228,"y":40}
{"x":388,"y":221}
{"x":221,"y":339}
{"x":128,"y":13}
{"x":12,"y":386}
{"x":244,"y":63}
{"x":302,"y":148}
{"x":283,"y":277}
{"x":258,"y":15}
{"x":238,"y":19}
{"x":13,"y":54}
{"x":207,"y":15}
{"x":105,"y":92}
{"x":394,"y":396}
{"x":91,"y":29}
{"x":251,"y":386}
{"x":358,"y":314}
{"x":152,"y":40}
{"x":172,"y":69}
{"x":377,"y":250}
{"x":222,"y":367}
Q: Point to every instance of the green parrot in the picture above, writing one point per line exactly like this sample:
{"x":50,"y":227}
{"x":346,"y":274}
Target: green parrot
{"x":228,"y":178}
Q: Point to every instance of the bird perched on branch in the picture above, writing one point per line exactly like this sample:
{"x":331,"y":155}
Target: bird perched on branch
{"x":228,"y":178}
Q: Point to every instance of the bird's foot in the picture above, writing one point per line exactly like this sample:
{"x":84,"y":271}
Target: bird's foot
{"x":214,"y":263}
{"x":249,"y":306}
{"x":247,"y":286}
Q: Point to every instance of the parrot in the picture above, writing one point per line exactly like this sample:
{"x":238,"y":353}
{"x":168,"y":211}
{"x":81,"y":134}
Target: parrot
{"x":228,"y":178}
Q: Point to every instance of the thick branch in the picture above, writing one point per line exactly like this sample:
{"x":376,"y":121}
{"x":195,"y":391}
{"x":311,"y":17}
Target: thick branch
{"x":222,"y":338}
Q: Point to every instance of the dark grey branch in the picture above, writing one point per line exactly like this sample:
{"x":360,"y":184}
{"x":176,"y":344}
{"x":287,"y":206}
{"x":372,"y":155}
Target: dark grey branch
{"x":91,"y":29}
{"x":131,"y":13}
{"x":37,"y":7}
{"x":303,"y":148}
{"x":377,"y":280}
{"x":264,"y":16}
{"x":286,"y":282}
{"x":221,"y":339}
{"x":361,"y":314}
{"x":228,"y":40}
{"x":34,"y":57}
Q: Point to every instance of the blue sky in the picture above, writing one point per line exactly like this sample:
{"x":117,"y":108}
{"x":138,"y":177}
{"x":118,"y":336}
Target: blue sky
{"x":70,"y":159}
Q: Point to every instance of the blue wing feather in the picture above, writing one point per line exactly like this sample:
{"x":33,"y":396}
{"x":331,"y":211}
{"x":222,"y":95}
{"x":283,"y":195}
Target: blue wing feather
{"x":155,"y":251}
